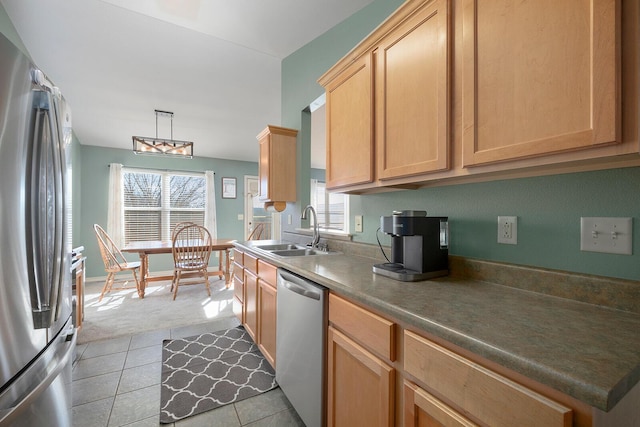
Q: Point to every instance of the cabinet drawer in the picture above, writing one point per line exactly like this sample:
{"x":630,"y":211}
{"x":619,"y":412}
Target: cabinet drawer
{"x":238,"y":257}
{"x":492,"y":398}
{"x":251,"y":263}
{"x":238,"y":286}
{"x":375,"y":332}
{"x":237,"y":270}
{"x":420,"y":405}
{"x":267,"y":272}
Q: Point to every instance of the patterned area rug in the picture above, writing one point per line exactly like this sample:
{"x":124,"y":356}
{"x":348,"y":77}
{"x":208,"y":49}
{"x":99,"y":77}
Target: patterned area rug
{"x":207,"y":371}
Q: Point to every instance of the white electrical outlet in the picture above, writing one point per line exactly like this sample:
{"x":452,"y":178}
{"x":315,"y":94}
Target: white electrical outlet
{"x":358,"y":224}
{"x":508,"y":230}
{"x":609,"y":235}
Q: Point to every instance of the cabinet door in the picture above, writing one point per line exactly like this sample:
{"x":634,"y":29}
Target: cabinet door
{"x":277,"y":165}
{"x":349,"y":117}
{"x":360,"y":386}
{"x":491,"y":398}
{"x":412,"y":95}
{"x":263,"y":167}
{"x":421,"y":409}
{"x":251,"y":304}
{"x":267,"y":316}
{"x":238,"y":292}
{"x":539,"y":77}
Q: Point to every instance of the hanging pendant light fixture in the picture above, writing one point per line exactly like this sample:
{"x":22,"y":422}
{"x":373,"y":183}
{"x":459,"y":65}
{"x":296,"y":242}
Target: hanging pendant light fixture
{"x":162,"y":147}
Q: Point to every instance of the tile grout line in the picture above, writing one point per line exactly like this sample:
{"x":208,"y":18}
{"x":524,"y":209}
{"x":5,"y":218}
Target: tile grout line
{"x":179,"y":332}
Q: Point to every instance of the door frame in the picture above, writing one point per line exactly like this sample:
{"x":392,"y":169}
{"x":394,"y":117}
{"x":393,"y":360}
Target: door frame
{"x":248,"y":208}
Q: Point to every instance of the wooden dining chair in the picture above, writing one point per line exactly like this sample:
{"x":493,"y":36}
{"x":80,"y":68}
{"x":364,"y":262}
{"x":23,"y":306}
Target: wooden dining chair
{"x":191,"y":248}
{"x":114,"y":262}
{"x":257,"y":232}
{"x":183,"y":224}
{"x":180,"y":226}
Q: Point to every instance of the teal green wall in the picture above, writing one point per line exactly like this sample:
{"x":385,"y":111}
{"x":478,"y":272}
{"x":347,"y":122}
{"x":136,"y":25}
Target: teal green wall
{"x":548,"y":208}
{"x":300,"y":73}
{"x":94,"y":180}
{"x":318,"y":174}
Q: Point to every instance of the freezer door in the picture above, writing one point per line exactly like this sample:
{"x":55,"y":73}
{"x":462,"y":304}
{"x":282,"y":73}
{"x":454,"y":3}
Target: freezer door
{"x":41,"y":395}
{"x":63,"y":296}
{"x":44,"y":207}
{"x":20,"y":341}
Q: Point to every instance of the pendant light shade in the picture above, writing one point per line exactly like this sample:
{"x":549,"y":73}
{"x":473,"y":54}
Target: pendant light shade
{"x":160,"y":146}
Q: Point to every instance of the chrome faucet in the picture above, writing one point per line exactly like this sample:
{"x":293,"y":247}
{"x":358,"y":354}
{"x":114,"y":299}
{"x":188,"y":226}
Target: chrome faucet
{"x":316,"y":232}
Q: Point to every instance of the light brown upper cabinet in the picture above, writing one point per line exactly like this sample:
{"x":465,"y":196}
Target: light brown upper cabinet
{"x":539,"y":77}
{"x":459,"y":91}
{"x":388,"y":100}
{"x":412,"y":94}
{"x":277,"y":166}
{"x":350,"y":149}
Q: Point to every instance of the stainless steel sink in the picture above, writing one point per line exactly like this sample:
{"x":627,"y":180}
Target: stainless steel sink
{"x":279,"y":247}
{"x":290,"y":250}
{"x":298,"y":252}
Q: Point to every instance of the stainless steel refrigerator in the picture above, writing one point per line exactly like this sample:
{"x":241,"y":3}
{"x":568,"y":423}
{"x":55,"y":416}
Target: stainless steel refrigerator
{"x":37,"y":337}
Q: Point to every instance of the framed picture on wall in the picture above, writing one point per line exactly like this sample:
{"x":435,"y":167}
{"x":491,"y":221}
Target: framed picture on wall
{"x":228,"y":188}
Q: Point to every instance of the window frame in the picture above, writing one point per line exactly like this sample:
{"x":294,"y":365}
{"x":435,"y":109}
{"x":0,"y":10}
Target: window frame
{"x":165,"y":208}
{"x":313,"y":196}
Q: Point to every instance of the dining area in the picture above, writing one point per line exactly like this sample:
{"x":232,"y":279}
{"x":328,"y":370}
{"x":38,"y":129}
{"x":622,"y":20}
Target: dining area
{"x":117,"y":373}
{"x":190,"y":246}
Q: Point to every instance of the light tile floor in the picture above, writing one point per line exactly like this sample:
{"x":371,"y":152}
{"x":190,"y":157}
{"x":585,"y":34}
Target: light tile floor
{"x":116,"y":382}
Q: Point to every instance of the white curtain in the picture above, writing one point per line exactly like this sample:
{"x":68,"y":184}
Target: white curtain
{"x":210,"y":204}
{"x":115,"y":220}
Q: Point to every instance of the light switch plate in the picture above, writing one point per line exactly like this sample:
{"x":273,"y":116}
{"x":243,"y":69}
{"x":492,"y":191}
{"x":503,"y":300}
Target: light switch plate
{"x":358,"y":224}
{"x":608,"y":235}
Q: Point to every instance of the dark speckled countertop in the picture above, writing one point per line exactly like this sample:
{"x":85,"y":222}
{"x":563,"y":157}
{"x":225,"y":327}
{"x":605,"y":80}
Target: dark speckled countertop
{"x":586,"y":351}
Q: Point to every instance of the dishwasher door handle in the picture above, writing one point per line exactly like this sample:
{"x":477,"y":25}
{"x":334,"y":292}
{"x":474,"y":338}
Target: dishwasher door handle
{"x":304,"y":289}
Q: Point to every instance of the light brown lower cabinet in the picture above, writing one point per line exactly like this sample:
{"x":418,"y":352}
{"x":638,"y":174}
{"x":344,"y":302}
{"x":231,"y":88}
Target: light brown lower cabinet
{"x":267,"y":320}
{"x":491,"y":398}
{"x":256,"y":297}
{"x":238,"y":291}
{"x":381,"y":374}
{"x":267,"y":303}
{"x":251,"y":304}
{"x":360,"y":385}
{"x":421,"y":409}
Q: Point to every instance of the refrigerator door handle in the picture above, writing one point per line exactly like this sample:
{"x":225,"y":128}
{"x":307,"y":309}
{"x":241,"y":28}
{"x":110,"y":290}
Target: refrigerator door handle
{"x":10,"y":414}
{"x":44,"y":212}
{"x":60,"y":257}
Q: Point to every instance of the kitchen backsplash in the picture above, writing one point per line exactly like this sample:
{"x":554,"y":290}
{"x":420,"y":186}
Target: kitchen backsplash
{"x":610,"y":292}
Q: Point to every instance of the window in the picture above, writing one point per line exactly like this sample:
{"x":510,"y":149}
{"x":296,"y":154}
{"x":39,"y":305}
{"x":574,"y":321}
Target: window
{"x":332,"y":208}
{"x":155,"y":201}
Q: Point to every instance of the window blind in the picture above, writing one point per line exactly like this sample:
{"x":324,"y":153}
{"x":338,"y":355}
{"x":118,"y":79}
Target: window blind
{"x":155,"y":201}
{"x":331,"y":208}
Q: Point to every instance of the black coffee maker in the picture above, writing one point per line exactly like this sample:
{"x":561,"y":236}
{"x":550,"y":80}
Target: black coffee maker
{"x":419,"y":246}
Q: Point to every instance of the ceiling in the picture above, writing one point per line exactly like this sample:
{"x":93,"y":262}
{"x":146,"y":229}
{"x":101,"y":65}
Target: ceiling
{"x":216,"y":64}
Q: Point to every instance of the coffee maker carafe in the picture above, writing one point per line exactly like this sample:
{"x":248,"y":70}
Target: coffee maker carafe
{"x":419,"y":246}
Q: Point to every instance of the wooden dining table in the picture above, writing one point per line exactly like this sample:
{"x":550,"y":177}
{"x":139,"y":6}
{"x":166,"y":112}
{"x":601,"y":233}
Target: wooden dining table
{"x":152,"y":247}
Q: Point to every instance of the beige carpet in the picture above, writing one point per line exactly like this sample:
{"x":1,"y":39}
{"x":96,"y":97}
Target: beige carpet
{"x":121,"y":312}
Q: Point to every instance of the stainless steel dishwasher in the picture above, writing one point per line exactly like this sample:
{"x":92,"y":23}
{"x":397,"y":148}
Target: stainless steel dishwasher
{"x":301,"y":336}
